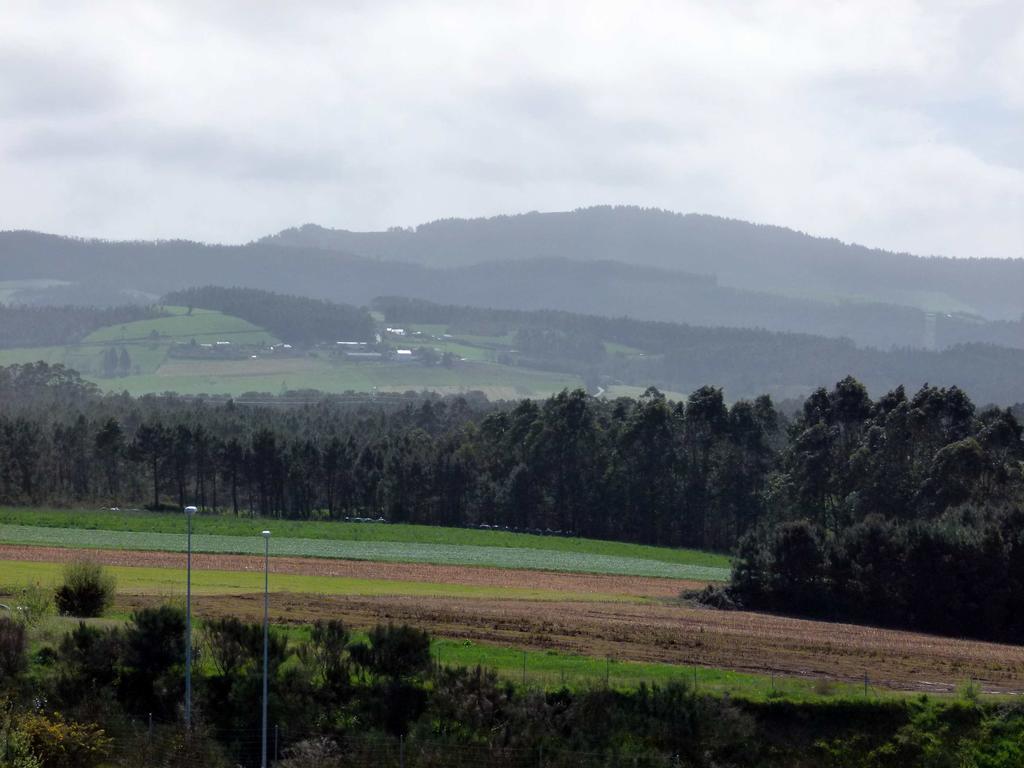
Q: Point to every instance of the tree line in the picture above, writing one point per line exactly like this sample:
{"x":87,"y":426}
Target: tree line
{"x":699,"y":472}
{"x":30,"y":326}
{"x":294,"y":319}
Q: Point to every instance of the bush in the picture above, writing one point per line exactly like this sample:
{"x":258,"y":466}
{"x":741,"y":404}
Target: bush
{"x":87,"y":590}
{"x":31,"y":604}
{"x":61,"y":743}
{"x":13,"y":660}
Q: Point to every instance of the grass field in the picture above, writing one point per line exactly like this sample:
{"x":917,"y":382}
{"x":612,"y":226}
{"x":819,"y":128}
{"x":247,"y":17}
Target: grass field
{"x":148,"y":342}
{"x":552,"y":670}
{"x":381,"y":551}
{"x":224,"y":525}
{"x":211,"y":377}
{"x":201,"y":324}
{"x":170,"y":582}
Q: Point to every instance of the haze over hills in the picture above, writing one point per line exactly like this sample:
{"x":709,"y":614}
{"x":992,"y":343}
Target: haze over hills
{"x":645,"y":264}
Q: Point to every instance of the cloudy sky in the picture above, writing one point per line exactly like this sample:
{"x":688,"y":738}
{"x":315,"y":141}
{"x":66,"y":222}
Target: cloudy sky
{"x":894,"y":124}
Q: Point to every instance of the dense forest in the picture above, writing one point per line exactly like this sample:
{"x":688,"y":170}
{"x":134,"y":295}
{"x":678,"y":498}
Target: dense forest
{"x":44,"y":326}
{"x":102,"y":695}
{"x":934,"y":484}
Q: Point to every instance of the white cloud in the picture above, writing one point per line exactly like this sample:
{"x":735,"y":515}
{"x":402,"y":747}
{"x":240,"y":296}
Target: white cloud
{"x":888,"y":123}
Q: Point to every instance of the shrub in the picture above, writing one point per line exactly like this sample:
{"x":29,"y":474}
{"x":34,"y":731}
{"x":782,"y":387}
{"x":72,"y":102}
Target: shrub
{"x":319,"y":752}
{"x":31,"y":604}
{"x":87,"y":590}
{"x":61,"y":743}
{"x":394,"y":652}
{"x":13,"y":660}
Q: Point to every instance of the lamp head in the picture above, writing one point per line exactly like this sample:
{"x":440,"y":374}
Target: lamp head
{"x":266,"y":534}
{"x":190,"y":510}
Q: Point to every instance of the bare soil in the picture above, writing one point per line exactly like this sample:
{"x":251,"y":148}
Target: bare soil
{"x":676,"y":634}
{"x":664,"y":630}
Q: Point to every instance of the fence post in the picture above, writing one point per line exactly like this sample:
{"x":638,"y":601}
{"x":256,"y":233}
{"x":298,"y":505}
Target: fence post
{"x":865,"y":683}
{"x":151,"y":729}
{"x":277,"y":744}
{"x":524,"y":669}
{"x":401,"y":751}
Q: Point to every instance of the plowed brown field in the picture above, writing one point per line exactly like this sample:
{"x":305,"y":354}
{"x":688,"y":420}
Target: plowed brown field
{"x":675,"y":634}
{"x":663,"y":631}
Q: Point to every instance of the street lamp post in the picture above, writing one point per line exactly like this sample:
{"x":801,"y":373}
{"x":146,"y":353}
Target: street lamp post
{"x":189,"y":513}
{"x":266,"y":635}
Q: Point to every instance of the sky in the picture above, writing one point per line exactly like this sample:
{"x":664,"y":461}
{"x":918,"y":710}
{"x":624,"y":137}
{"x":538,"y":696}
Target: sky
{"x":893,"y":124}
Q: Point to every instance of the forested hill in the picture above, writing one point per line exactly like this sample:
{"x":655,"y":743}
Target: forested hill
{"x":740,"y":254}
{"x":114,"y":273}
{"x":295,"y":319}
{"x":22,"y":326}
{"x":745,"y":362}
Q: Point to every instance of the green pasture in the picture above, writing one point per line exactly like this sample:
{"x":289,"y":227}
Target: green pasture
{"x":171,"y":582}
{"x":496,"y":381}
{"x":381,"y":551}
{"x":614,"y":348}
{"x":553,"y":670}
{"x":20,"y":355}
{"x":179,"y":325}
{"x":227,"y":525}
{"x":88,"y":359}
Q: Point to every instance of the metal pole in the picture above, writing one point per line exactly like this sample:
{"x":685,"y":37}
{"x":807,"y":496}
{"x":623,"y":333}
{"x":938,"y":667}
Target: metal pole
{"x":189,"y":512}
{"x":266,"y":635}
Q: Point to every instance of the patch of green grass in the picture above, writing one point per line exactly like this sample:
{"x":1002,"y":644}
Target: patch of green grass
{"x":496,"y":381}
{"x":226,"y":525}
{"x":171,"y":581}
{"x":32,"y":354}
{"x":381,"y":551}
{"x":201,"y":324}
{"x":614,"y":348}
{"x":552,"y":670}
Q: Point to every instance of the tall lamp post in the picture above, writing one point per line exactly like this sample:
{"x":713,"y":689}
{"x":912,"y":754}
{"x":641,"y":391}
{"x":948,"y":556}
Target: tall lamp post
{"x":266,"y":635}
{"x":189,"y":513}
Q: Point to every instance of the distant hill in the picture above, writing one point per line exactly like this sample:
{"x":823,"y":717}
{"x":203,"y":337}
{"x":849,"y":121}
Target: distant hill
{"x":738,"y":253}
{"x":649,"y":265}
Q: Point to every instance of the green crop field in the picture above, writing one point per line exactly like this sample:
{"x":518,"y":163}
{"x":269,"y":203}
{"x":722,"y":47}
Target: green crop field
{"x":225,"y":525}
{"x":381,"y":551}
{"x":170,"y":581}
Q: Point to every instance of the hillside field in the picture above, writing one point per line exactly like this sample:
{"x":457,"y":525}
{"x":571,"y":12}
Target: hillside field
{"x":148,"y":343}
{"x":355,"y":541}
{"x":576,"y":612}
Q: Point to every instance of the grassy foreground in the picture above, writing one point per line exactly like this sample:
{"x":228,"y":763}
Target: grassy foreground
{"x":361,"y":541}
